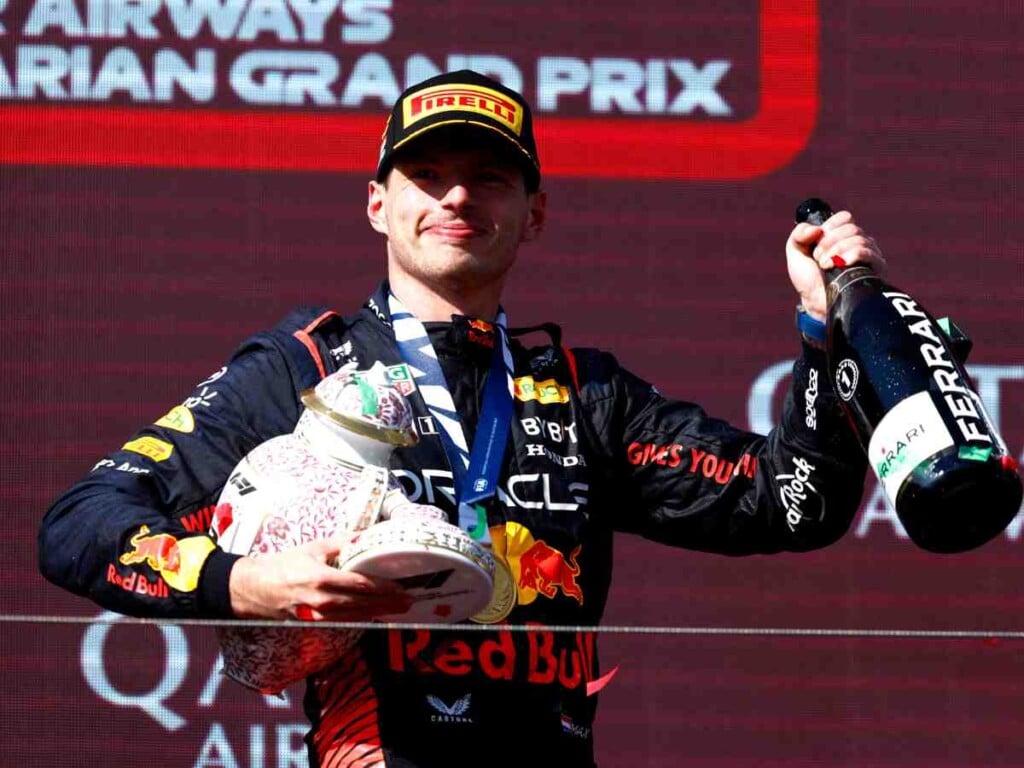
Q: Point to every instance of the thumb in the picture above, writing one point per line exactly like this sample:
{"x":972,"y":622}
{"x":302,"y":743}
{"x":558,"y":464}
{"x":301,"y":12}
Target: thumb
{"x":325,"y":550}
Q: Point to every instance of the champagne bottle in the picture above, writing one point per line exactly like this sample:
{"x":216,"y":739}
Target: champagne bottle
{"x":939,"y":458}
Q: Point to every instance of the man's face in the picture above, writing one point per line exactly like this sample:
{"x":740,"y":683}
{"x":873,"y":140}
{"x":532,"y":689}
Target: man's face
{"x":454,"y":208}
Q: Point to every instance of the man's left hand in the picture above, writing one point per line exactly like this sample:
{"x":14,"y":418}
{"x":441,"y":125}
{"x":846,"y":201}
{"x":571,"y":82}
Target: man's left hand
{"x":839,"y":242}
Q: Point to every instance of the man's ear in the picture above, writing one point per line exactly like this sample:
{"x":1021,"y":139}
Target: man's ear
{"x":375,"y":211}
{"x":537,"y":215}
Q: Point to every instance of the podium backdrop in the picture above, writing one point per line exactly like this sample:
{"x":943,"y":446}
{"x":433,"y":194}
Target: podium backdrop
{"x":178,"y":174}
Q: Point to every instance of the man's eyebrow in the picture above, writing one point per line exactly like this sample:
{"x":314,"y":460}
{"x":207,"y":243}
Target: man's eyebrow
{"x":420,"y":157}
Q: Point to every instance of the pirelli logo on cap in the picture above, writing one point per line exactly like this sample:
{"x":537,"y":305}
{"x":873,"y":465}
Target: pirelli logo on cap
{"x":463,"y":98}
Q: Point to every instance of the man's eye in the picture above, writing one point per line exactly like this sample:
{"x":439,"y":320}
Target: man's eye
{"x":424,"y":174}
{"x":494,"y":177}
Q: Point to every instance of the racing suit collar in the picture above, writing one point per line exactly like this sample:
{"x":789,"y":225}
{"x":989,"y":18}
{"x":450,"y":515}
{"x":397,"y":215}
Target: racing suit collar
{"x":471,"y":328}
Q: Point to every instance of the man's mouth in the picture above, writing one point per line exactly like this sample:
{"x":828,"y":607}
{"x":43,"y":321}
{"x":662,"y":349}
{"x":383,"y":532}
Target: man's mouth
{"x":455,"y":230}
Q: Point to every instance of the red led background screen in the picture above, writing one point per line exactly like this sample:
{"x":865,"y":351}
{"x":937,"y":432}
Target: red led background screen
{"x":178,"y":174}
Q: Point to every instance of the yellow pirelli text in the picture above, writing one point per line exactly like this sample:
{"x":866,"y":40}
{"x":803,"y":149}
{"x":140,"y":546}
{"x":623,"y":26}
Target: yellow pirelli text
{"x":462,"y":98}
{"x":150,"y":447}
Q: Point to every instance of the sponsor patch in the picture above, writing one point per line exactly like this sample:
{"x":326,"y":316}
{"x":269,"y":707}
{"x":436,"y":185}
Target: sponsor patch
{"x":462,"y":98}
{"x":213,"y":376}
{"x":124,"y":466}
{"x":205,"y":519}
{"x":179,"y":561}
{"x":204,"y":398}
{"x":800,"y":499}
{"x":137,"y":583}
{"x":179,"y":418}
{"x":546,"y":392}
{"x":640,"y":454}
{"x":481,"y":332}
{"x":543,"y":361}
{"x":701,"y":462}
{"x":537,"y":657}
{"x":400,"y":377}
{"x":450,"y":713}
{"x":150,"y":447}
{"x":810,"y":398}
{"x":575,"y":729}
{"x":555,"y":431}
{"x":343,"y":353}
{"x":537,"y":567}
{"x":531,"y":490}
{"x":721,"y":470}
{"x":537,"y":449}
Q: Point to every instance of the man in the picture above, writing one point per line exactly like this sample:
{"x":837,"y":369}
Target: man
{"x":575,"y":446}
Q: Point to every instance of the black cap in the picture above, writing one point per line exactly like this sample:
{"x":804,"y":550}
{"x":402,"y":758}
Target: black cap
{"x":464,"y":98}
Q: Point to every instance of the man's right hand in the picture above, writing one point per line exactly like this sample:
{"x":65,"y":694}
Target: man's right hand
{"x":299,"y":584}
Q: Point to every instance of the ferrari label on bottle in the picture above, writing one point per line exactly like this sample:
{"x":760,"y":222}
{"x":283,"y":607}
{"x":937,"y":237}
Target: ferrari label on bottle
{"x":902,"y":385}
{"x":962,"y":404}
{"x":907,"y":435}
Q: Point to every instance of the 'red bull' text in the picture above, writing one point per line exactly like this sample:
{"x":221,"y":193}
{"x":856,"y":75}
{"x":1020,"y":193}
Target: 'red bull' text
{"x":135,"y":582}
{"x":540,"y":657}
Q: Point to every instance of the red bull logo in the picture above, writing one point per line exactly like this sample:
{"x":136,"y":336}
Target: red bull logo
{"x":537,"y":657}
{"x":137,"y":583}
{"x":159,"y":551}
{"x":539,"y":568}
{"x":544,"y":569}
{"x":178,"y":561}
{"x":481,"y":332}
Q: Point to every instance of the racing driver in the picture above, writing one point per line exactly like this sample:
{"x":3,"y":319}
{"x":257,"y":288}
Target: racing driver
{"x":572,"y":446}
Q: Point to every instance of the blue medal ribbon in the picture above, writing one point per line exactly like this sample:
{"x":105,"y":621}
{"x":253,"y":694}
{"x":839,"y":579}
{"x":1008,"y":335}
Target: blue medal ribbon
{"x":474,"y":475}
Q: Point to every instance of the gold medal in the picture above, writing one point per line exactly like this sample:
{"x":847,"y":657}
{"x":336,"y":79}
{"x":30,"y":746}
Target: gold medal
{"x":504,"y":596}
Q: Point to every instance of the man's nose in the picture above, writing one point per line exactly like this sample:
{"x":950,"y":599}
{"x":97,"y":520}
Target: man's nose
{"x":456,"y":195}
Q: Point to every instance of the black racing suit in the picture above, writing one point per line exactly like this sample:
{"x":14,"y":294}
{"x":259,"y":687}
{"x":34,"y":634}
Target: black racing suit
{"x":593,"y":450}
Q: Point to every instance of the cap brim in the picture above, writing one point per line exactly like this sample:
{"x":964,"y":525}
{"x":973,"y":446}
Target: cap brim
{"x":531,"y":171}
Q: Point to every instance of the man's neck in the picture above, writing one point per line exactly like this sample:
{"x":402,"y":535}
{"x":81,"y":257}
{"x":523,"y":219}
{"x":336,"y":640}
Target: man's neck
{"x":430,"y":304}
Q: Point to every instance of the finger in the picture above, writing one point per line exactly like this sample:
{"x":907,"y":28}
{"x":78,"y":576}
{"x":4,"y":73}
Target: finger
{"x":352,"y":607}
{"x":361,"y":584}
{"x":356,"y":608}
{"x":837,"y":220}
{"x":325,"y":550}
{"x":852,"y":254}
{"x":833,"y":237}
{"x":857,"y":248}
{"x":805,"y":234}
{"x":380,"y":604}
{"x":379,"y":585}
{"x":878,"y":262}
{"x":367,"y":611}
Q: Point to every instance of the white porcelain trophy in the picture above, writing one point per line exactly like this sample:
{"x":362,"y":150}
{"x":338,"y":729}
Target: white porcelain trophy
{"x":327,"y":479}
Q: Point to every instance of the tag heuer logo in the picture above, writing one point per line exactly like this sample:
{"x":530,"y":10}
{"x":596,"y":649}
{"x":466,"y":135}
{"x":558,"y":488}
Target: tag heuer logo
{"x":847,"y":376}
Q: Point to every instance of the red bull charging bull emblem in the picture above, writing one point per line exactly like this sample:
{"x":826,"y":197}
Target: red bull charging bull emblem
{"x":537,"y":567}
{"x":178,"y":561}
{"x":481,"y":332}
{"x":159,"y":551}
